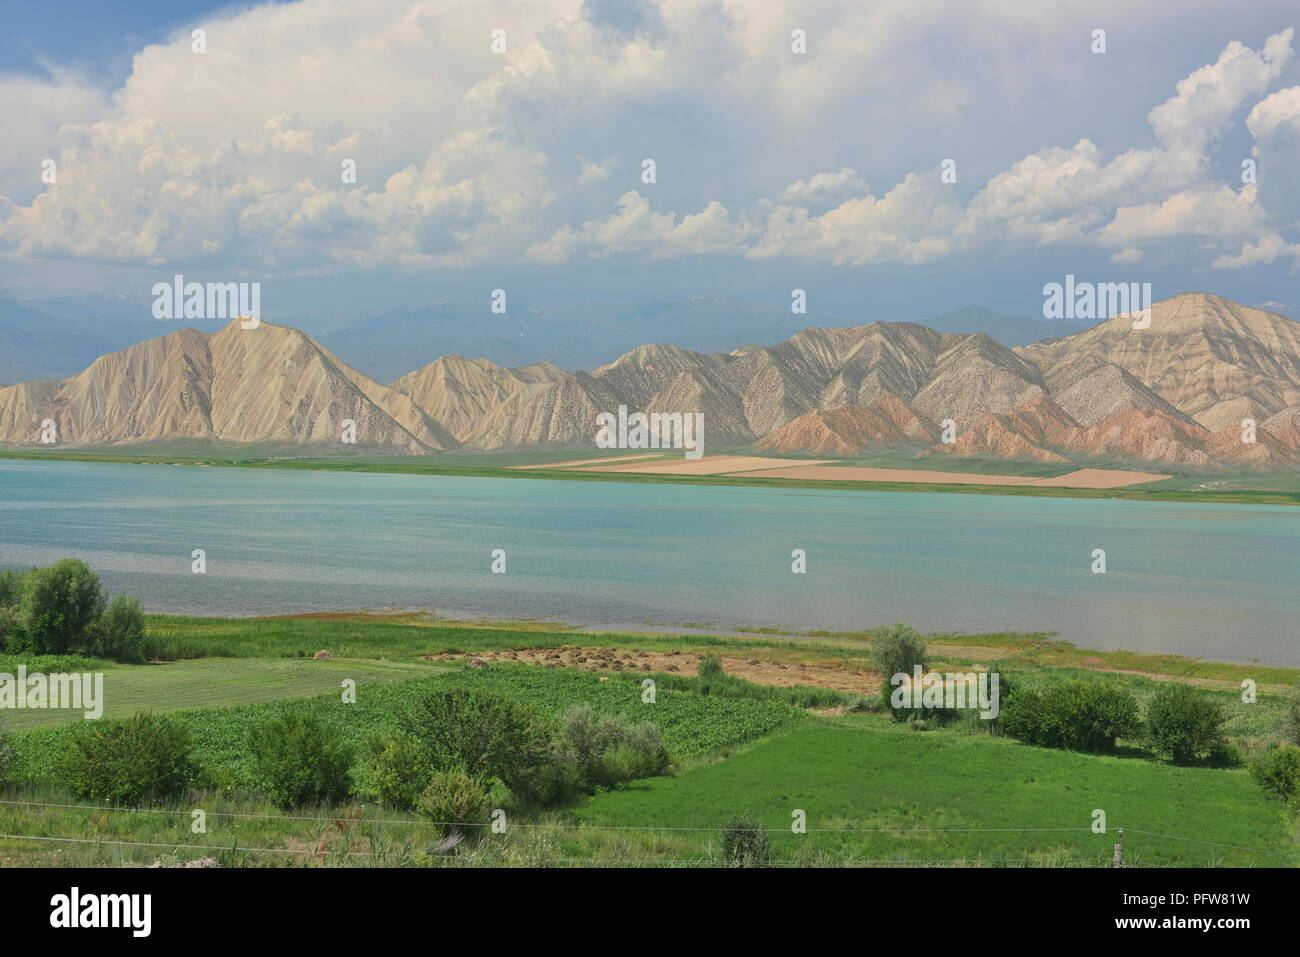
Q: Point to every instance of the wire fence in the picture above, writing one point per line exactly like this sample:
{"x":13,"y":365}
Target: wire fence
{"x":708,"y":860}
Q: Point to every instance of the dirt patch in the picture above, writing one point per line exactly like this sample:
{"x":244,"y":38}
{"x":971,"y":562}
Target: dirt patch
{"x":1080,"y":478}
{"x":608,"y":661}
{"x":707,"y":465}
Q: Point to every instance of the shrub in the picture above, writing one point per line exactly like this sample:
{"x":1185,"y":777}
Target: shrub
{"x":859,"y":702}
{"x":11,"y":585}
{"x":896,"y":649}
{"x":745,"y":842}
{"x":640,"y":754}
{"x":1278,"y":771}
{"x":12,"y":637}
{"x":481,"y":733}
{"x":146,"y":757}
{"x":1291,"y":717}
{"x":1079,"y":715}
{"x":454,"y":798}
{"x":1184,"y":723}
{"x":710,"y":665}
{"x":300,"y":760}
{"x":6,"y":750}
{"x":119,"y":633}
{"x":399,"y":771}
{"x":604,"y":751}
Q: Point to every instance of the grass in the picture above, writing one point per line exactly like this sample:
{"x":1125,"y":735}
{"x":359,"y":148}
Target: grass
{"x":211,"y":683}
{"x":866,"y":785}
{"x":690,"y":724}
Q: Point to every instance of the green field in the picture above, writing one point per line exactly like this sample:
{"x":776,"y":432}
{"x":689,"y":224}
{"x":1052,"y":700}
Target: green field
{"x":873,"y":791}
{"x":213,"y":683}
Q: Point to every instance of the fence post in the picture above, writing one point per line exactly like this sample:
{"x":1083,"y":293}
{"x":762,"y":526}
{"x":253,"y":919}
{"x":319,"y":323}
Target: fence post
{"x":1119,"y":850}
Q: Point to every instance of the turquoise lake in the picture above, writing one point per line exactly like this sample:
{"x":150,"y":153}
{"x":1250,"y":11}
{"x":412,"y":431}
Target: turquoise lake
{"x":1214,"y":581}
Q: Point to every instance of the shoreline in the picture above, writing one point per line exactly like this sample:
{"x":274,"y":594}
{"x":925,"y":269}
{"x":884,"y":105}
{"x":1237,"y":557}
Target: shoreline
{"x":1205,"y":496}
{"x":1046,"y":648}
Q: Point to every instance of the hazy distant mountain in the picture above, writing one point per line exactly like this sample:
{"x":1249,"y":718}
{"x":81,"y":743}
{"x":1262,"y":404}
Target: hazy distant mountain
{"x":1175,"y":393}
{"x":571,"y":336}
{"x":58,"y":337}
{"x":39,"y":345}
{"x":1009,"y":330}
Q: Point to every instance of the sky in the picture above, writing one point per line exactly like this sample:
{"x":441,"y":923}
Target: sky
{"x":775,"y":169}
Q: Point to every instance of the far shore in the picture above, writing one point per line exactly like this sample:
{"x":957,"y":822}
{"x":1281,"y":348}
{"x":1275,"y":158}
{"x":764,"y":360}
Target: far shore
{"x":1251,"y":489}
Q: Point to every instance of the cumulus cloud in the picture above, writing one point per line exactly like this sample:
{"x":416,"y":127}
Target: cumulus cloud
{"x":1275,"y":125}
{"x":465,"y":157}
{"x":1266,"y":250}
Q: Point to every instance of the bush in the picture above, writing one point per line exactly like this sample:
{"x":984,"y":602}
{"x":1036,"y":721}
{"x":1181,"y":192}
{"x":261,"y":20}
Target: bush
{"x":119,"y":633}
{"x":896,"y":649}
{"x":745,"y":842}
{"x":6,"y":750}
{"x":147,"y":757}
{"x":58,"y":606}
{"x":1278,"y":771}
{"x":454,"y":798}
{"x":1291,"y":717}
{"x":11,"y":585}
{"x":640,"y":754}
{"x":1080,"y":715}
{"x":479,"y":732}
{"x":710,"y":665}
{"x":301,"y":760}
{"x":399,"y":771}
{"x":1184,"y":723}
{"x":13,"y":639}
{"x":604,"y":751}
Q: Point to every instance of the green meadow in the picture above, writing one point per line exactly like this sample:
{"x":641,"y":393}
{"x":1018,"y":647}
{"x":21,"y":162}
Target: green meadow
{"x":868,"y":790}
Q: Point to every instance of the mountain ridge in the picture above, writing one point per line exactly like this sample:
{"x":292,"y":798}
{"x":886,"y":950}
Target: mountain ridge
{"x":1174,"y":393}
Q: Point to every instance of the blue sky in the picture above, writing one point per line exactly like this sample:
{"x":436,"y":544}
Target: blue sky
{"x":100,"y":36}
{"x":774,"y":170}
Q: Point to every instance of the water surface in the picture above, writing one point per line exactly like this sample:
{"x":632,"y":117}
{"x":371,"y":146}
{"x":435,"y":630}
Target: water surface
{"x":1217,"y":581}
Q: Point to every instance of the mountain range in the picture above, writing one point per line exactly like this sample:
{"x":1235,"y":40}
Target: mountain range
{"x":1174,"y":393}
{"x":56,"y":338}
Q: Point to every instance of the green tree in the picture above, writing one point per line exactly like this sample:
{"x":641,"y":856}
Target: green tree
{"x":896,"y":649}
{"x":58,"y":606}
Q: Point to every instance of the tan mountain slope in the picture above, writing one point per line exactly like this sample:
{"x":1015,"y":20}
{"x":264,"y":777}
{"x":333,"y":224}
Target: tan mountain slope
{"x":268,"y":384}
{"x":976,"y":377}
{"x":851,"y":430}
{"x":458,"y":392}
{"x":23,"y":407}
{"x":1176,"y":392}
{"x":1213,"y":360}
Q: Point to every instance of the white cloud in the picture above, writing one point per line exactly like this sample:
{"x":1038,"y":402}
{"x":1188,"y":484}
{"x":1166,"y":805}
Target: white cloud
{"x":464,"y":157}
{"x":825,"y":187}
{"x":636,"y":228}
{"x":1268,"y":249}
{"x":1275,"y":124}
